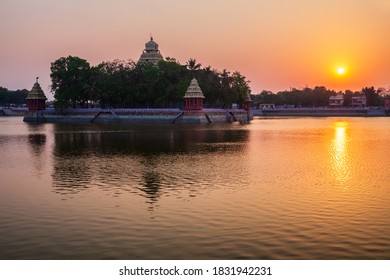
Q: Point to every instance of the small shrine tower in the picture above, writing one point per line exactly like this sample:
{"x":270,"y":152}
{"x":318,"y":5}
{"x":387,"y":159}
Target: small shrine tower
{"x":194,"y":97}
{"x":151,"y":54}
{"x":247,"y":102}
{"x":248,"y":106}
{"x":36,"y":98}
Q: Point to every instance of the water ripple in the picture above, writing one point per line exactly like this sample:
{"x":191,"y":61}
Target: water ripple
{"x":276,"y":189}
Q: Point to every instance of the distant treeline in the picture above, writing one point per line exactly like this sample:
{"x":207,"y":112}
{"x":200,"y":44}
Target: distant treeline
{"x":75,"y":83}
{"x":12,"y":97}
{"x":317,"y":97}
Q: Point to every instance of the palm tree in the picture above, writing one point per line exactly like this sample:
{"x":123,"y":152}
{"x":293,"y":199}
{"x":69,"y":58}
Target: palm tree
{"x":192,"y":65}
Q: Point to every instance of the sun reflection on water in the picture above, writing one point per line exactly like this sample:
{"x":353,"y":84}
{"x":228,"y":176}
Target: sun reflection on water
{"x":340,"y":153}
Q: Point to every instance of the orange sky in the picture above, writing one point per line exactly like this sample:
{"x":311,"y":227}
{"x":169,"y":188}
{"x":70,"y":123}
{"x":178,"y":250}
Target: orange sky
{"x":276,"y":44}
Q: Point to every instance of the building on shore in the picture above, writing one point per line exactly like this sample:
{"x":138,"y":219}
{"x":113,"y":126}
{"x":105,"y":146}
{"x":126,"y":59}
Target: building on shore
{"x":247,"y":102}
{"x":248,"y":106}
{"x":151,"y":53}
{"x":359,"y":101}
{"x":336,"y":101}
{"x":36,"y":98}
{"x":387,"y":102}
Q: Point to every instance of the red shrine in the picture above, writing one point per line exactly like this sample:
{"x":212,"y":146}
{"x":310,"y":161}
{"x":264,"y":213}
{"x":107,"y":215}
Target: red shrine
{"x":247,"y":102}
{"x":194,"y":97}
{"x":36,"y":98}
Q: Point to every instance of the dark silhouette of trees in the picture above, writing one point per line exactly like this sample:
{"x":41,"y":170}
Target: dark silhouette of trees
{"x":373,"y":96}
{"x":127,"y":84}
{"x":306,"y":97}
{"x":193,"y":65}
{"x":121,"y":83}
{"x":317,"y":97}
{"x":12,"y":97}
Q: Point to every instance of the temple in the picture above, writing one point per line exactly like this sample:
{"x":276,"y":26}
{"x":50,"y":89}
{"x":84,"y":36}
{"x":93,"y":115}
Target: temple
{"x":151,"y":54}
{"x":36,"y":98}
{"x":191,"y":113}
{"x":248,"y":102}
{"x":193,"y":97}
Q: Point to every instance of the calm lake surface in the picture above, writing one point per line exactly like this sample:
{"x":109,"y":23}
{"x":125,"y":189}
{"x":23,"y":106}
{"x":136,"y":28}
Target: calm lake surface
{"x":278,"y":188}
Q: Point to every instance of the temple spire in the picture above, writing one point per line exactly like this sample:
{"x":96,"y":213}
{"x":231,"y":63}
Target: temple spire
{"x":151,"y":54}
{"x":36,"y":98}
{"x":194,"y":97}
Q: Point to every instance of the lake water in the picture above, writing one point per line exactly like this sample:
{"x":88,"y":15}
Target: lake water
{"x":278,"y":188}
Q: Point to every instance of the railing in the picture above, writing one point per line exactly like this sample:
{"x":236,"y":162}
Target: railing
{"x":315,"y":109}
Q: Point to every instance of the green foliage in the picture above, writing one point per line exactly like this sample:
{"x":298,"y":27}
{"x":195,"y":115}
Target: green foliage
{"x":127,"y":84}
{"x":70,"y":78}
{"x":193,"y":65}
{"x":239,"y":88}
{"x":112,"y":82}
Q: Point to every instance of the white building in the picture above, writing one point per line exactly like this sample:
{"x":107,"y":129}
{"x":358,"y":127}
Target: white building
{"x":359,"y":101}
{"x":336,"y":100}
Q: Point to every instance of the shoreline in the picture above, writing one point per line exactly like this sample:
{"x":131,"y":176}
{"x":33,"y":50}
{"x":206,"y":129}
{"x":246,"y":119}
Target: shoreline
{"x":140,"y":116}
{"x":177,"y":116}
{"x":323,"y":112}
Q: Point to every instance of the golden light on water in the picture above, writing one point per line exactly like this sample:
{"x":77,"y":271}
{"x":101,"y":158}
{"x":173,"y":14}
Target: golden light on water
{"x":340,"y":154}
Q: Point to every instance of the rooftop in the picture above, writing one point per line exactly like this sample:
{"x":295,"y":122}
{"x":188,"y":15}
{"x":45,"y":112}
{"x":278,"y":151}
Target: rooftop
{"x":194,"y":91}
{"x":36,"y":92}
{"x":151,"y":54}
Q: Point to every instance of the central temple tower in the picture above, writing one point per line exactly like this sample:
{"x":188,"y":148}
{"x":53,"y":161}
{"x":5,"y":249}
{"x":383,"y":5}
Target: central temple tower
{"x":151,"y":54}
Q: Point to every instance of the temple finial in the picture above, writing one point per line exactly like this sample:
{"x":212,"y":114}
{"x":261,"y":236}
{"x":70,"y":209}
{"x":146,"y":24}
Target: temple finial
{"x":151,"y":37}
{"x":37,"y":79}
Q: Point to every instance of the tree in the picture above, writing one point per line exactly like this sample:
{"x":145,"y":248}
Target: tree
{"x":192,"y":65}
{"x":124,"y":83}
{"x":372,"y":96}
{"x":3,"y":96}
{"x":383,"y":92}
{"x":239,"y":87}
{"x":321,"y":96}
{"x":348,"y":98}
{"x":70,"y":76}
{"x":173,"y":82}
{"x":12,"y":98}
{"x":267,"y":97}
{"x":146,"y":90}
{"x":115,"y":81}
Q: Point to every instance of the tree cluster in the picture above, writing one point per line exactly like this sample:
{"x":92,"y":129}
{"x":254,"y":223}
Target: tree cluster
{"x":317,"y":97}
{"x":118,"y":83}
{"x":12,"y":97}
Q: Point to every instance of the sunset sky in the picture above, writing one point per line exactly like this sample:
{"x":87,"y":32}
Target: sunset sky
{"x":276,"y":44}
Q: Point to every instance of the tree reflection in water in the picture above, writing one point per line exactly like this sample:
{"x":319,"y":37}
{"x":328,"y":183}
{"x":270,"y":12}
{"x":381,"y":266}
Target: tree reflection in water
{"x":119,"y":159}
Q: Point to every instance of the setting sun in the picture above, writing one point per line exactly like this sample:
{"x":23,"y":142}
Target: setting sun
{"x":340,"y":70}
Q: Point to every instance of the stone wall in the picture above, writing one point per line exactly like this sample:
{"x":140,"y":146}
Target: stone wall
{"x":138,"y":116}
